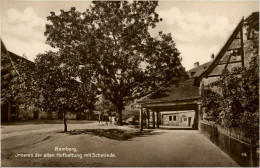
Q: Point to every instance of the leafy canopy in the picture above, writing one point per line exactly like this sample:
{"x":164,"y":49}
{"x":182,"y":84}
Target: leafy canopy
{"x":236,"y":105}
{"x":58,"y":88}
{"x":112,"y":47}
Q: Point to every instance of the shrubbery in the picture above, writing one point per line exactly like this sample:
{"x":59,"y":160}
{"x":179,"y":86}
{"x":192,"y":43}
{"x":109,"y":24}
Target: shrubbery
{"x":236,"y":103}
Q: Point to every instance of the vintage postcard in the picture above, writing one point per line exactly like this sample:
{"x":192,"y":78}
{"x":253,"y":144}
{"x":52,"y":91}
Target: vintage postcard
{"x":129,"y":83}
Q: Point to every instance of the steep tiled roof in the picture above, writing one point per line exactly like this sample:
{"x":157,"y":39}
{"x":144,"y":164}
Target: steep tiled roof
{"x":252,"y":21}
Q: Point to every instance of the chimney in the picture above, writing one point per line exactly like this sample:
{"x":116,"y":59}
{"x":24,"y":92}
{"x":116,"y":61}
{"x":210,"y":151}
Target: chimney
{"x":212,"y":56}
{"x":196,"y":64}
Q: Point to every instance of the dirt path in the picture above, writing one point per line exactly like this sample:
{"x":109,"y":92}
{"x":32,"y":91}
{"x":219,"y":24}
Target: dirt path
{"x":162,"y":148}
{"x":31,"y":128}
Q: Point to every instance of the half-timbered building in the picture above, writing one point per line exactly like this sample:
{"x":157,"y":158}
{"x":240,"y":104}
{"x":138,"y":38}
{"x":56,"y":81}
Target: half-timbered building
{"x":170,"y":104}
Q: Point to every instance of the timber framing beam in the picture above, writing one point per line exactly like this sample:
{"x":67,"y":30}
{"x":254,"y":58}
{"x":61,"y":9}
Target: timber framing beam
{"x":233,"y":62}
{"x":228,"y":61}
{"x":242,"y":44}
{"x":232,"y":49}
{"x":223,"y":51}
{"x":220,"y":75}
{"x":170,"y":103}
{"x":210,"y":76}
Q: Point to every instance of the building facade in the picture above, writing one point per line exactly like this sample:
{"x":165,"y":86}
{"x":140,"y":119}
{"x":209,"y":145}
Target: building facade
{"x":178,"y":118}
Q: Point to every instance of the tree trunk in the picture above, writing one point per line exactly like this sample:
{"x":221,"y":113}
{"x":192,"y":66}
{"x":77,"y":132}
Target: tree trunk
{"x":141,"y":119}
{"x":64,"y":120}
{"x":9,"y":110}
{"x":17,"y":112}
{"x":120,"y":117}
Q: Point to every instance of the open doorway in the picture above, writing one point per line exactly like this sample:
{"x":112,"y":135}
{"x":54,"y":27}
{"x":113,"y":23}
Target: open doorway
{"x":189,"y":121}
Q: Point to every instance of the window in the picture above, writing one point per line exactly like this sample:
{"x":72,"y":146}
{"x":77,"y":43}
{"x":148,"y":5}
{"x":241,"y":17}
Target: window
{"x":235,"y":52}
{"x":174,"y":118}
{"x":184,"y":119}
{"x":170,"y":118}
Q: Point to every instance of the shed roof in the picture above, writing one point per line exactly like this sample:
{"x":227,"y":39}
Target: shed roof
{"x":176,"y":90}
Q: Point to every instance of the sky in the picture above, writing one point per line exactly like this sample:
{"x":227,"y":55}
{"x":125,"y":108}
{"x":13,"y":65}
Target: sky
{"x":199,"y":28}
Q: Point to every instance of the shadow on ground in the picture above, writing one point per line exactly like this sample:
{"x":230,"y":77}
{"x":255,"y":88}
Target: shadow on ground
{"x":45,"y":121}
{"x":116,"y":134}
{"x":172,"y":128}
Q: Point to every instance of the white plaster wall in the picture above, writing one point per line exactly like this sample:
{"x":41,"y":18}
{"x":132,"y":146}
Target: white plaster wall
{"x":179,"y":119}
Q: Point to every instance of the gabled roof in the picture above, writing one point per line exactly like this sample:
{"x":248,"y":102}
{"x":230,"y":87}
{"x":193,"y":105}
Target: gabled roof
{"x":220,"y":53}
{"x":14,"y":56}
{"x":3,"y":48}
{"x":176,"y":90}
{"x":194,"y":72}
{"x":252,"y":21}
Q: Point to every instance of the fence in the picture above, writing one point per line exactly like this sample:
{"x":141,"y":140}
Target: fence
{"x":240,"y":148}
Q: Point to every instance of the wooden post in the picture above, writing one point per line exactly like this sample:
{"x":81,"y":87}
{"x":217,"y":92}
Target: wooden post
{"x":153,"y":120}
{"x":199,"y":115}
{"x":141,"y":119}
{"x":147,"y":118}
{"x":157,"y":119}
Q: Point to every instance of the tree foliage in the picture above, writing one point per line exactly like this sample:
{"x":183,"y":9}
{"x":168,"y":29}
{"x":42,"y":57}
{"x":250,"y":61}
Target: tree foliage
{"x":236,"y":104}
{"x":111,"y":41}
{"x":15,"y":85}
{"x":48,"y":85}
{"x":58,"y":87}
{"x":105,"y":107}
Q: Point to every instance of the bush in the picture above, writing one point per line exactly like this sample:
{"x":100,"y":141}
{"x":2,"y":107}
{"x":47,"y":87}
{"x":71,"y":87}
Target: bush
{"x":236,"y":105}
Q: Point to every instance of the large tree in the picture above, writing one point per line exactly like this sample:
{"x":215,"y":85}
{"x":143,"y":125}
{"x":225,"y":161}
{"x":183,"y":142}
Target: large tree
{"x":58,"y":87}
{"x":114,"y":39}
{"x":47,"y":84}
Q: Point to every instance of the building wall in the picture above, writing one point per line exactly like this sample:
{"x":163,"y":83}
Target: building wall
{"x":236,"y":56}
{"x":56,"y":115}
{"x":235,"y":144}
{"x":248,"y":47}
{"x":182,"y":118}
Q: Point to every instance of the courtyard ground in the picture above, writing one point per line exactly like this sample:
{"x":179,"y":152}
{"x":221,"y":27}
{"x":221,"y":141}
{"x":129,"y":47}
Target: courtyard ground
{"x":126,"y":146}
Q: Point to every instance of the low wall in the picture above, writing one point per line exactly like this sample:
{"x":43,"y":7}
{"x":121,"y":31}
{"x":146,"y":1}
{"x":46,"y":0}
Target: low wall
{"x":241,"y":149}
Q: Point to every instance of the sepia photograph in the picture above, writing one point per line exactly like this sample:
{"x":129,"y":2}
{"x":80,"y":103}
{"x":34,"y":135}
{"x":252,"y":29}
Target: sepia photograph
{"x":129,"y":83}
